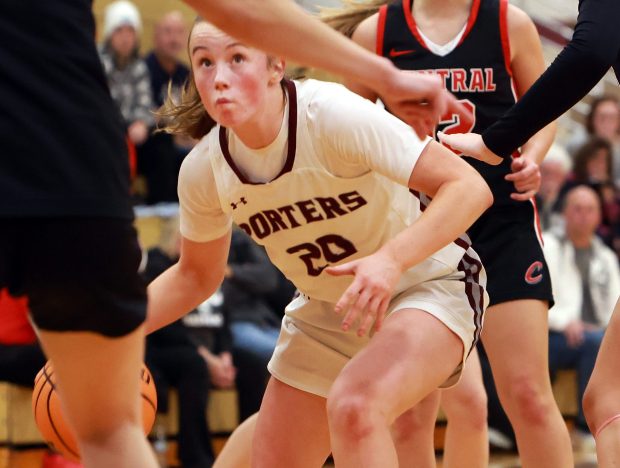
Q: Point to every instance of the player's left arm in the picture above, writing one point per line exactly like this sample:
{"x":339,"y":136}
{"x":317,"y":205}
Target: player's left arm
{"x":527,"y":63}
{"x":460,"y":196}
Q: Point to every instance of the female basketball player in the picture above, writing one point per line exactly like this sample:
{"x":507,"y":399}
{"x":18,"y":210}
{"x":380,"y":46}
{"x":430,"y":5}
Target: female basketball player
{"x":485,"y":51}
{"x":322,"y":179}
{"x":66,"y":235}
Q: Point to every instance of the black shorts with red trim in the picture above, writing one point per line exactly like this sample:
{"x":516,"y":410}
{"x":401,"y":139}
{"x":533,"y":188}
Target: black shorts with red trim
{"x":80,"y":274}
{"x":509,"y":243}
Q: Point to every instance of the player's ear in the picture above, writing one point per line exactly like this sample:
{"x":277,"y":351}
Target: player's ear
{"x":277,"y":65}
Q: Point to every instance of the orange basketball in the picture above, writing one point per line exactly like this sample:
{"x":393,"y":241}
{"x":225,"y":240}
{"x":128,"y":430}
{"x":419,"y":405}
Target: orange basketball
{"x":52,"y":424}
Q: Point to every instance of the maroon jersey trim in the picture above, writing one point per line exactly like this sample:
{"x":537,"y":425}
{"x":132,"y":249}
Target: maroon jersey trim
{"x":292,"y":139}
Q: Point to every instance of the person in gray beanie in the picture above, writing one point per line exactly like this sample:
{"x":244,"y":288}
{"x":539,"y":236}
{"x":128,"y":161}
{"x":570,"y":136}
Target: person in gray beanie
{"x":127,"y":73}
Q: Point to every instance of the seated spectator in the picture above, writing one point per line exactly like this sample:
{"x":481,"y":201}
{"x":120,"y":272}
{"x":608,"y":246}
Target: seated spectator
{"x":255,"y":327}
{"x":592,"y":167}
{"x":127,"y":74}
{"x":586,"y":285}
{"x":177,"y":359}
{"x":159,"y":159}
{"x":603,"y":121}
{"x":554,"y":170}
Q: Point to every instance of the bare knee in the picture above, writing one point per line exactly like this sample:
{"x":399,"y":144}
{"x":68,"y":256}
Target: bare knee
{"x":104,"y":427}
{"x":467,"y":409}
{"x":528,"y":401}
{"x":412,"y":423}
{"x":353,"y":414}
{"x":600,"y":404}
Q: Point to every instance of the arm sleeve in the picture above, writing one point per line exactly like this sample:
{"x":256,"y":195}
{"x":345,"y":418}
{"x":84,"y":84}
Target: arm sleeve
{"x":355,"y":136}
{"x":582,"y":63}
{"x":202,"y":218}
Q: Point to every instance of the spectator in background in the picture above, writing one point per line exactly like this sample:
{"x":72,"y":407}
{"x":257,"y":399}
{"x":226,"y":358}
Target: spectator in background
{"x":602,"y":121}
{"x":586,"y":282}
{"x":592,"y":167}
{"x":160,"y":158}
{"x":255,"y":327}
{"x":554,"y":170}
{"x":127,"y":74}
{"x":178,"y":359}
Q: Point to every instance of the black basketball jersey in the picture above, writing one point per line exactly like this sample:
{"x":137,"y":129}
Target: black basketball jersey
{"x":477,"y":71}
{"x":62,"y":143}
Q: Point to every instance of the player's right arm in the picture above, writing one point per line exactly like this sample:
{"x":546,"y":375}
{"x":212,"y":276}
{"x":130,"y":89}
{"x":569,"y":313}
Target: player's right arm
{"x":190,"y":282}
{"x":206,"y":232}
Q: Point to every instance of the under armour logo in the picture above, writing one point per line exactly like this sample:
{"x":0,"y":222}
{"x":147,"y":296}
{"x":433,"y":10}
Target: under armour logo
{"x":242,"y":200}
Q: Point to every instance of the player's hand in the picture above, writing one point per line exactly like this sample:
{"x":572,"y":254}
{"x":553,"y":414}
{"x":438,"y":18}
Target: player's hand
{"x":526,"y":178}
{"x":420,"y":100}
{"x":367,"y":298}
{"x":470,"y":144}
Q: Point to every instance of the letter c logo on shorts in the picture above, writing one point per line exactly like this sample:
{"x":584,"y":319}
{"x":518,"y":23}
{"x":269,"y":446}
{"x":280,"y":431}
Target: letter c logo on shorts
{"x":534,"y":275}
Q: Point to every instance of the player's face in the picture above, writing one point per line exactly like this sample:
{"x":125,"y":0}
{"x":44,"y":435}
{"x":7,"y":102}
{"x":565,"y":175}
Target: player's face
{"x":232,"y":79}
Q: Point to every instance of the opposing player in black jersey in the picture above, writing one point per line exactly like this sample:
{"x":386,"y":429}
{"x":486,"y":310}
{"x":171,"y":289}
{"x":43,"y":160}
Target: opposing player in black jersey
{"x":488,"y":53}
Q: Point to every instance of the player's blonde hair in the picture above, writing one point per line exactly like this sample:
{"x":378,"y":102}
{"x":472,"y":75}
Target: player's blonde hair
{"x":347,"y":18}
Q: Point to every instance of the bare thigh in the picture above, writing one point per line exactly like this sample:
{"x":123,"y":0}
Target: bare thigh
{"x":291,"y":430}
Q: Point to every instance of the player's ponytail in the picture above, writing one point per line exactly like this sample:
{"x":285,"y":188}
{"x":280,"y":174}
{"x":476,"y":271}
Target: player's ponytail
{"x":347,"y":18}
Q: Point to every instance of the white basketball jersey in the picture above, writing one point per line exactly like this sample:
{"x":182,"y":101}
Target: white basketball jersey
{"x":307,"y":218}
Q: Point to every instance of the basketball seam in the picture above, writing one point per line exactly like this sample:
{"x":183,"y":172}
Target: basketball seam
{"x":60,"y":438}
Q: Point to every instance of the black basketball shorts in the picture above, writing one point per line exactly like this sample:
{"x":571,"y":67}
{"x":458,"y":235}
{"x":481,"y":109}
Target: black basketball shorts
{"x":80,"y":274}
{"x":509,"y":244}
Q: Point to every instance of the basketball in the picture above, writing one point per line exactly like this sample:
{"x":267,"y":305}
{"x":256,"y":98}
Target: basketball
{"x":51,"y":422}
